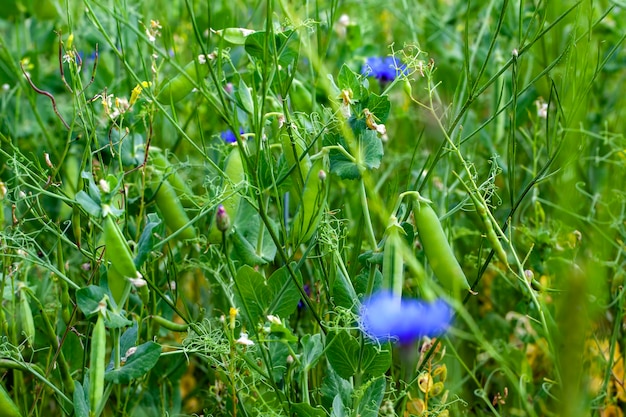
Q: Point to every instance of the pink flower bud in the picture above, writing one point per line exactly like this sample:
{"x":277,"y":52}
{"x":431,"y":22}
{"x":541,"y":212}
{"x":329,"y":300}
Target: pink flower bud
{"x":222,"y":219}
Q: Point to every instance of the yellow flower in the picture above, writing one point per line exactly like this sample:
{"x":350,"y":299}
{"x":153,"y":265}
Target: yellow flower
{"x":137,"y":91}
{"x":232,"y":313}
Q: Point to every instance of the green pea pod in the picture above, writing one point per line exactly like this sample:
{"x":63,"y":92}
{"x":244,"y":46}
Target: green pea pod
{"x":393,"y":263}
{"x":75,"y":219}
{"x":312,"y":204}
{"x":170,"y":325}
{"x":490,"y":232}
{"x":120,"y":257}
{"x":28,"y":324}
{"x":69,"y":183}
{"x":171,"y":208}
{"x":438,"y":251}
{"x":3,"y":193}
{"x":97,"y":364}
{"x":181,"y":85}
{"x":295,"y":155}
{"x":160,"y":162}
{"x":234,"y":174}
{"x":7,"y":406}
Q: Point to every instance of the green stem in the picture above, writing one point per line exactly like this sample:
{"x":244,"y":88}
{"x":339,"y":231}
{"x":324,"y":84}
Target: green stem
{"x":366,"y":215}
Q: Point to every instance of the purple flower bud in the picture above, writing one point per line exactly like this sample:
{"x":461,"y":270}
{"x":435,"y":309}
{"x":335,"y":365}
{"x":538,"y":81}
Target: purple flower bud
{"x":385,"y":316}
{"x":222,"y":219}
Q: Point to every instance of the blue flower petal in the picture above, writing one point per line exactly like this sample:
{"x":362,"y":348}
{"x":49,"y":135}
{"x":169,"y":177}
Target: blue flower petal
{"x":385,"y":69}
{"x":385,"y":316}
{"x":228,"y":136}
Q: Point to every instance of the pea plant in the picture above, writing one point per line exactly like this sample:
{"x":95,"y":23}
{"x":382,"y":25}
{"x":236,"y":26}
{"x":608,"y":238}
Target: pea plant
{"x":316,"y":208}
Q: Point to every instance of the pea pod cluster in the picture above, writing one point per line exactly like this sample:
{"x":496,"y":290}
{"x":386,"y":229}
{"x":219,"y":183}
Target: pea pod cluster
{"x":120,"y":259}
{"x":181,"y":85}
{"x":312,"y":204}
{"x":438,"y":251}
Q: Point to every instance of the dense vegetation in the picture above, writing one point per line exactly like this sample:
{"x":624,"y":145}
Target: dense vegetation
{"x":312,"y":208}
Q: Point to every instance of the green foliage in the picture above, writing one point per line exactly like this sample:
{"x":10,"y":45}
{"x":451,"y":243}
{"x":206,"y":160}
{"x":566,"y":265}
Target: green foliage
{"x":122,"y":296}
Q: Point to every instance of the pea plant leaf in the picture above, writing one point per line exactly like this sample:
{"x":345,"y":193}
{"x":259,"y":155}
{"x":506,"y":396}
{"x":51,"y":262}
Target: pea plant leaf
{"x":368,"y":153}
{"x":236,"y":36}
{"x":376,"y":359}
{"x":339,"y":408}
{"x":307,"y":410}
{"x":146,"y":240}
{"x":81,"y":408}
{"x":247,"y":231}
{"x":371,"y":149}
{"x":257,"y":296}
{"x":137,"y":364}
{"x":88,"y":204}
{"x":342,"y":352}
{"x":88,"y":300}
{"x":335,"y":386}
{"x":287,"y":46}
{"x":349,"y":80}
{"x":369,"y":403}
{"x":312,"y":349}
{"x":379,"y":106}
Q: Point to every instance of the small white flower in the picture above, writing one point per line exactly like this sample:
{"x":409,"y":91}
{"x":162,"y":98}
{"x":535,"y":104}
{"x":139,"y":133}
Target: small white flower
{"x":131,"y":351}
{"x":243,"y":340}
{"x":542,"y":108}
{"x":345,"y":110}
{"x":138,"y":282}
{"x":104,"y":186}
{"x":381,"y":129}
{"x":342,"y":25}
{"x":274,"y":319}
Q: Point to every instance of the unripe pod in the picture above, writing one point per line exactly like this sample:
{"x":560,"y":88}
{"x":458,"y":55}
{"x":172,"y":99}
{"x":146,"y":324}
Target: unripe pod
{"x":170,"y":325}
{"x":171,"y":209}
{"x":7,"y":406}
{"x":490,"y":232}
{"x":312,"y":204}
{"x":393,"y":264}
{"x":160,"y":162}
{"x":97,"y":363}
{"x":296,"y":157}
{"x":235,"y":174}
{"x":28,"y":324}
{"x":181,"y":85}
{"x":438,"y":250}
{"x":122,"y":266}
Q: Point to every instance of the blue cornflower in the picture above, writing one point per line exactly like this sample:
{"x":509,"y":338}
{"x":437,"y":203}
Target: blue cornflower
{"x":229,"y":136}
{"x":386,"y":316}
{"x":384,"y":69}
